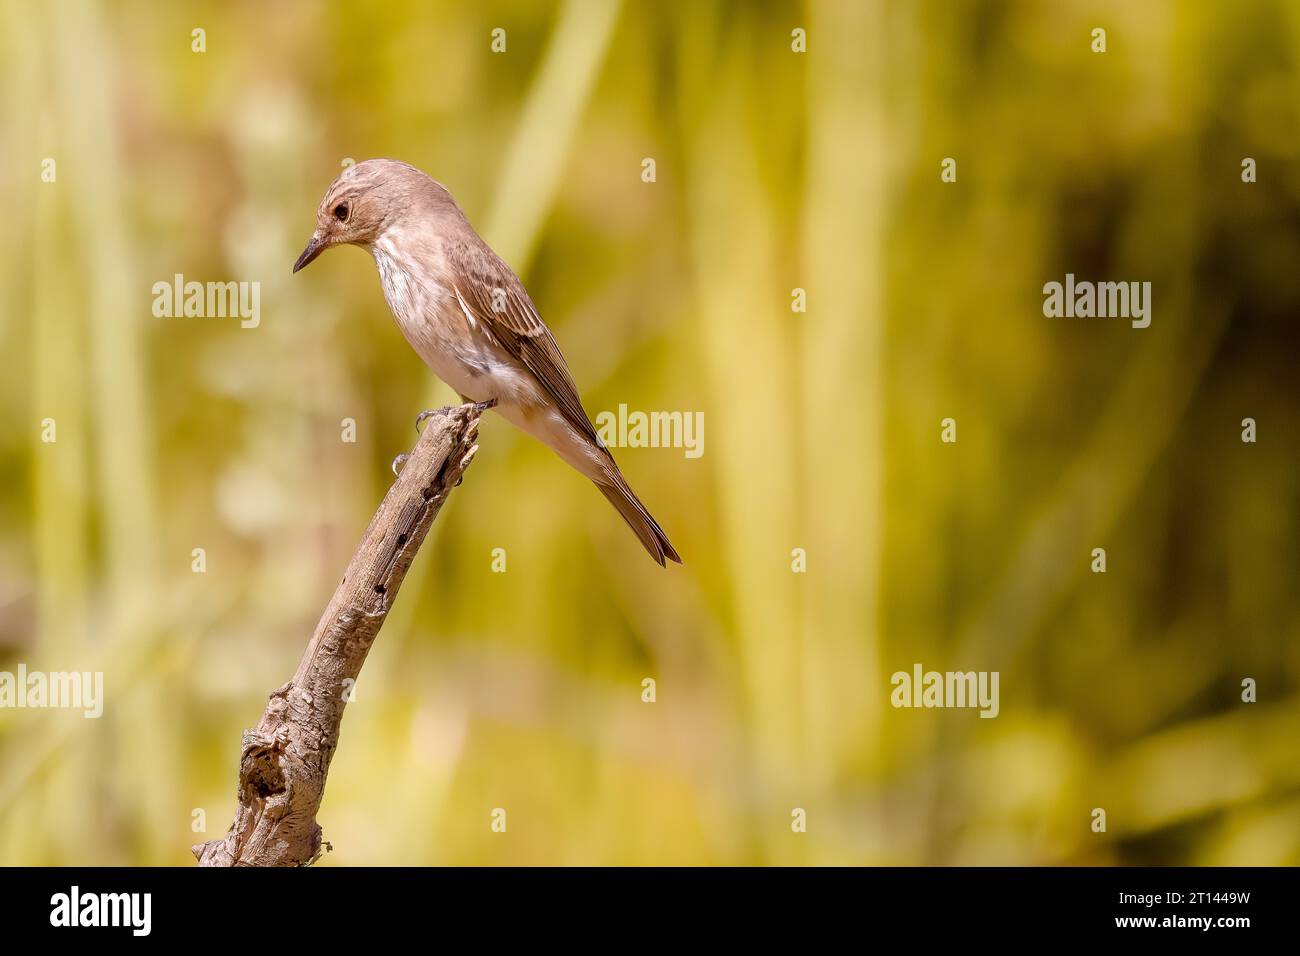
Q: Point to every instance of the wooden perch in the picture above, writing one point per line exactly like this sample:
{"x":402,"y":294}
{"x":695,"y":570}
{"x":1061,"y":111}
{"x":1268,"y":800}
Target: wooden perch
{"x":285,"y":759}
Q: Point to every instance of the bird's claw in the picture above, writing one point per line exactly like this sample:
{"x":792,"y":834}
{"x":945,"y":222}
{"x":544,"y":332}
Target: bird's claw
{"x":484,"y":406}
{"x":430,"y":413}
{"x":398,"y":462}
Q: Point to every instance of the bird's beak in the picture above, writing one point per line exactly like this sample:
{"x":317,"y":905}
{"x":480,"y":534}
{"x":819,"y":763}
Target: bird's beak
{"x":314,"y":248}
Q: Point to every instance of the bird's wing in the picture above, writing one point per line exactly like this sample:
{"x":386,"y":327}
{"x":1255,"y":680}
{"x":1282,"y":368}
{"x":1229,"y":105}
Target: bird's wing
{"x":495,"y":297}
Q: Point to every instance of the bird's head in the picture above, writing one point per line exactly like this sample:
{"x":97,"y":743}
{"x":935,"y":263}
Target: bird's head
{"x":365,"y":200}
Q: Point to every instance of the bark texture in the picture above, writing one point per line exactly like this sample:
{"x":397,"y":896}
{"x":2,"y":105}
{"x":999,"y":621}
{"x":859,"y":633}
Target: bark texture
{"x":285,"y":759}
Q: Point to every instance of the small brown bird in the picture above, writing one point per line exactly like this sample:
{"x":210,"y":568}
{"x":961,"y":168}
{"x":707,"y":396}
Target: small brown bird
{"x":469,"y":317}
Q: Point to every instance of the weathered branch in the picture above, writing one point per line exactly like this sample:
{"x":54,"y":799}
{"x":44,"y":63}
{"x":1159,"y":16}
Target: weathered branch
{"x":285,"y":759}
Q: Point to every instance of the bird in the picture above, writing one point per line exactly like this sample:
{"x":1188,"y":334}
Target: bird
{"x":470,"y":319}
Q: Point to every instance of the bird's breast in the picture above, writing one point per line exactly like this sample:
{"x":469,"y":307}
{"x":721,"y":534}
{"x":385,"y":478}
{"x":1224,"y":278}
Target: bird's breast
{"x":450,"y":342}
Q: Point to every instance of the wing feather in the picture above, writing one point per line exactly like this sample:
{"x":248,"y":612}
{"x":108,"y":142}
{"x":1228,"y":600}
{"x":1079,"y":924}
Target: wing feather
{"x":492,"y":294}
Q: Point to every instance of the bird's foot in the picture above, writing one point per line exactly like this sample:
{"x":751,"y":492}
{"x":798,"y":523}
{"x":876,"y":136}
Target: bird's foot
{"x":398,"y":462}
{"x":430,"y":413}
{"x":484,"y":406}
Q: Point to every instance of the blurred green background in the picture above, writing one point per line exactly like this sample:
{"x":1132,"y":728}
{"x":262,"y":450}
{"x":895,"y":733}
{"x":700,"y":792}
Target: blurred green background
{"x":774,"y":171}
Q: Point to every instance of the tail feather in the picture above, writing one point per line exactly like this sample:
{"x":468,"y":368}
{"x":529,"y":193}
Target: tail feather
{"x":645,"y":527}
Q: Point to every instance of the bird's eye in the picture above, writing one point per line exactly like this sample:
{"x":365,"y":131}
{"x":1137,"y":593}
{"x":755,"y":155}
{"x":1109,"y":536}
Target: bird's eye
{"x":341,"y":212}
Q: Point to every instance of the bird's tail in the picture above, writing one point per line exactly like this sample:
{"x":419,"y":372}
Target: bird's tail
{"x":622,"y":497}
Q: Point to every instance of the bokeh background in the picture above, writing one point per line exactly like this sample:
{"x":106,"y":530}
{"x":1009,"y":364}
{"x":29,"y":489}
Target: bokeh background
{"x":774,"y":171}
